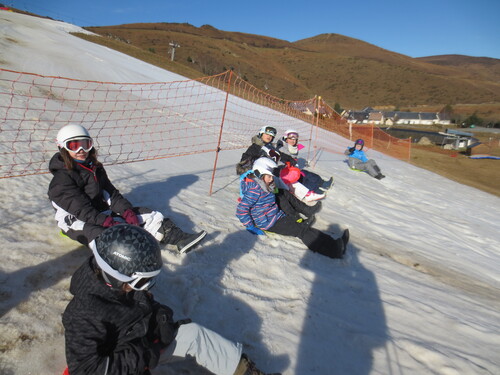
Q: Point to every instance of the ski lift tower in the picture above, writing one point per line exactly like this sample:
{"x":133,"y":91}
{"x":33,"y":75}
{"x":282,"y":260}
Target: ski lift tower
{"x":173,"y":45}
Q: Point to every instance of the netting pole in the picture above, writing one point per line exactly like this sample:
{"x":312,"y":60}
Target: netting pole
{"x":310,"y":133}
{"x":318,"y":101}
{"x":371,"y":138}
{"x":220,"y":132}
{"x":409,"y":149}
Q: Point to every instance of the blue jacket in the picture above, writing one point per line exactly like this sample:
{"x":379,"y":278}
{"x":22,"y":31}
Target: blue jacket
{"x":257,"y":207}
{"x":358,"y":154}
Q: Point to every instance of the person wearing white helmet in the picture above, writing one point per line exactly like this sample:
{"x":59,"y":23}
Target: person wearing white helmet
{"x":264,"y":206}
{"x":289,"y":145}
{"x":86,"y":202}
{"x":262,"y":146}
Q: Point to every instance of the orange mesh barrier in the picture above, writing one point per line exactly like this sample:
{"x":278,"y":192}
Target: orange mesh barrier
{"x":373,"y":136}
{"x":141,"y":121}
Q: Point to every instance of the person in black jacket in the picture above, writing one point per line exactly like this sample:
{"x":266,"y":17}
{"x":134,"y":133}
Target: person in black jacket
{"x":262,"y":146}
{"x":114,"y":326}
{"x":86,"y":202}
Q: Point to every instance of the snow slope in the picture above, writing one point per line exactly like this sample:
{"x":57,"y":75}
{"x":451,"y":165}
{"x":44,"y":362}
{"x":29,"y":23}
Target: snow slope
{"x":418,"y":293}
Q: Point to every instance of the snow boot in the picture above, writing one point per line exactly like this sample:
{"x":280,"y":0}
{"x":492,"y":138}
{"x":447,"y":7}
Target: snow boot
{"x":379,"y":176}
{"x":247,"y":367}
{"x":327,"y":185}
{"x":190,"y":241}
{"x":311,"y":196}
{"x":345,"y":240}
{"x":173,"y":235}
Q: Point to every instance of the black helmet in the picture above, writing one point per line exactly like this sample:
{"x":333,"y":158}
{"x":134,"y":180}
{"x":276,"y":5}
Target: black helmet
{"x":127,"y":254}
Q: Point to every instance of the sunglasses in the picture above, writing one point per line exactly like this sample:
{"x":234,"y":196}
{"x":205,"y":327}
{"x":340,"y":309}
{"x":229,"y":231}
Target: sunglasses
{"x":293,"y":136}
{"x":270,"y":131}
{"x":75,"y":145}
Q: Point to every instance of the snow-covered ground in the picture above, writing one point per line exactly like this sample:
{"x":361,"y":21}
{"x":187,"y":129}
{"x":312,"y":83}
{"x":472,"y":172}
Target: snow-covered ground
{"x":418,"y":293}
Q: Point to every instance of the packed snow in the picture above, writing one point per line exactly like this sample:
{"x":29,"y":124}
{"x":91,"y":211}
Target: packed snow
{"x":418,"y":292}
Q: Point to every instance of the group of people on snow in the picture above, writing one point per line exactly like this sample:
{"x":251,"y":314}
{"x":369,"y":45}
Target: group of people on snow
{"x":113,"y":325}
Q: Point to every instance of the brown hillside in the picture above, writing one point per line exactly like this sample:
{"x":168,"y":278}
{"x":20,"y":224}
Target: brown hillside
{"x":482,"y":68}
{"x":340,"y":69}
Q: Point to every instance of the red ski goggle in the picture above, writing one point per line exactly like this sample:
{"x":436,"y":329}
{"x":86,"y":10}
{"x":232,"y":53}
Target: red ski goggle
{"x":75,"y":145}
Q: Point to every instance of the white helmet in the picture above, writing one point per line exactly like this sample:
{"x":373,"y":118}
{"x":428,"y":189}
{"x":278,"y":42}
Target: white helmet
{"x":71,"y":131}
{"x":268,"y":130}
{"x":263,"y":166}
{"x":291,"y":133}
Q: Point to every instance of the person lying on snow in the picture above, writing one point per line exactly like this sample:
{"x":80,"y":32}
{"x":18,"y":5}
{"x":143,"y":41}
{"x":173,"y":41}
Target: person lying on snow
{"x":359,"y":160}
{"x":266,"y":207}
{"x":262,"y":146}
{"x":114,"y":326}
{"x":86,"y":202}
{"x":289,"y":145}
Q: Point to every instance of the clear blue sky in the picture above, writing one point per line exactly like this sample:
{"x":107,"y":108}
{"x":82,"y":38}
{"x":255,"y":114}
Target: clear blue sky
{"x":414,"y":28}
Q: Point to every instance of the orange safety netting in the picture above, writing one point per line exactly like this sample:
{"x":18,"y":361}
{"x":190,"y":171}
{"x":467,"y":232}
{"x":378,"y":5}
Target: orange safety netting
{"x":141,"y":121}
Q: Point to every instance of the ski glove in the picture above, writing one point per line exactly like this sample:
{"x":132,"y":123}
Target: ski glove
{"x":109,"y":222}
{"x":255,"y":230}
{"x":130,"y":217}
{"x":165,"y":329}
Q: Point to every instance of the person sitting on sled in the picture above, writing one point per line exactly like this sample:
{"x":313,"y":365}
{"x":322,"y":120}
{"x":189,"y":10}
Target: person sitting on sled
{"x":114,"y":326}
{"x":262,"y":146}
{"x":265,"y":206}
{"x":359,"y":160}
{"x":86,"y":202}
{"x":289,"y":145}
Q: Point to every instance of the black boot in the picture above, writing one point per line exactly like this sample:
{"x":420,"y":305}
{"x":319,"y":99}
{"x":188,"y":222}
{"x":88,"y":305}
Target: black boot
{"x":327,"y":184}
{"x":190,"y":241}
{"x":247,"y":367}
{"x":173,"y":235}
{"x":345,"y":240}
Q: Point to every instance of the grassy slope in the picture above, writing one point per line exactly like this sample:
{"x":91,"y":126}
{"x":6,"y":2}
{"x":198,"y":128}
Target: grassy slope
{"x":340,"y":69}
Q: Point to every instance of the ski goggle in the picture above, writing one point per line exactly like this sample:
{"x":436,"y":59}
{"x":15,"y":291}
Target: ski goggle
{"x":292,"y":136}
{"x":138,"y":280}
{"x":270,"y":131}
{"x":142,"y":283}
{"x":75,"y":145}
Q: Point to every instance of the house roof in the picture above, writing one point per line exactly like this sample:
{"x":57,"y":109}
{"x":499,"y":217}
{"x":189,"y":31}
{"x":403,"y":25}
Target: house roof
{"x":427,"y":116}
{"x":375,"y":116}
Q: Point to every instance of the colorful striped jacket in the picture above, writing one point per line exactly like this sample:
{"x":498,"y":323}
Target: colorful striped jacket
{"x":257,"y":207}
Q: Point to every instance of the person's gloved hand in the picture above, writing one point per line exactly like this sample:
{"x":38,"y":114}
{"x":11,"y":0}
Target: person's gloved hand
{"x":351,"y":150}
{"x":130,"y":217}
{"x":255,"y":230}
{"x":165,"y":328}
{"x":109,"y":222}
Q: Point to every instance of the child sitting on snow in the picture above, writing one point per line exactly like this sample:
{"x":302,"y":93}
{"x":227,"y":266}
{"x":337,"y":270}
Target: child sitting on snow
{"x":86,"y":202}
{"x":289,"y":145}
{"x":266,"y":207}
{"x":359,"y":160}
{"x":262,"y":146}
